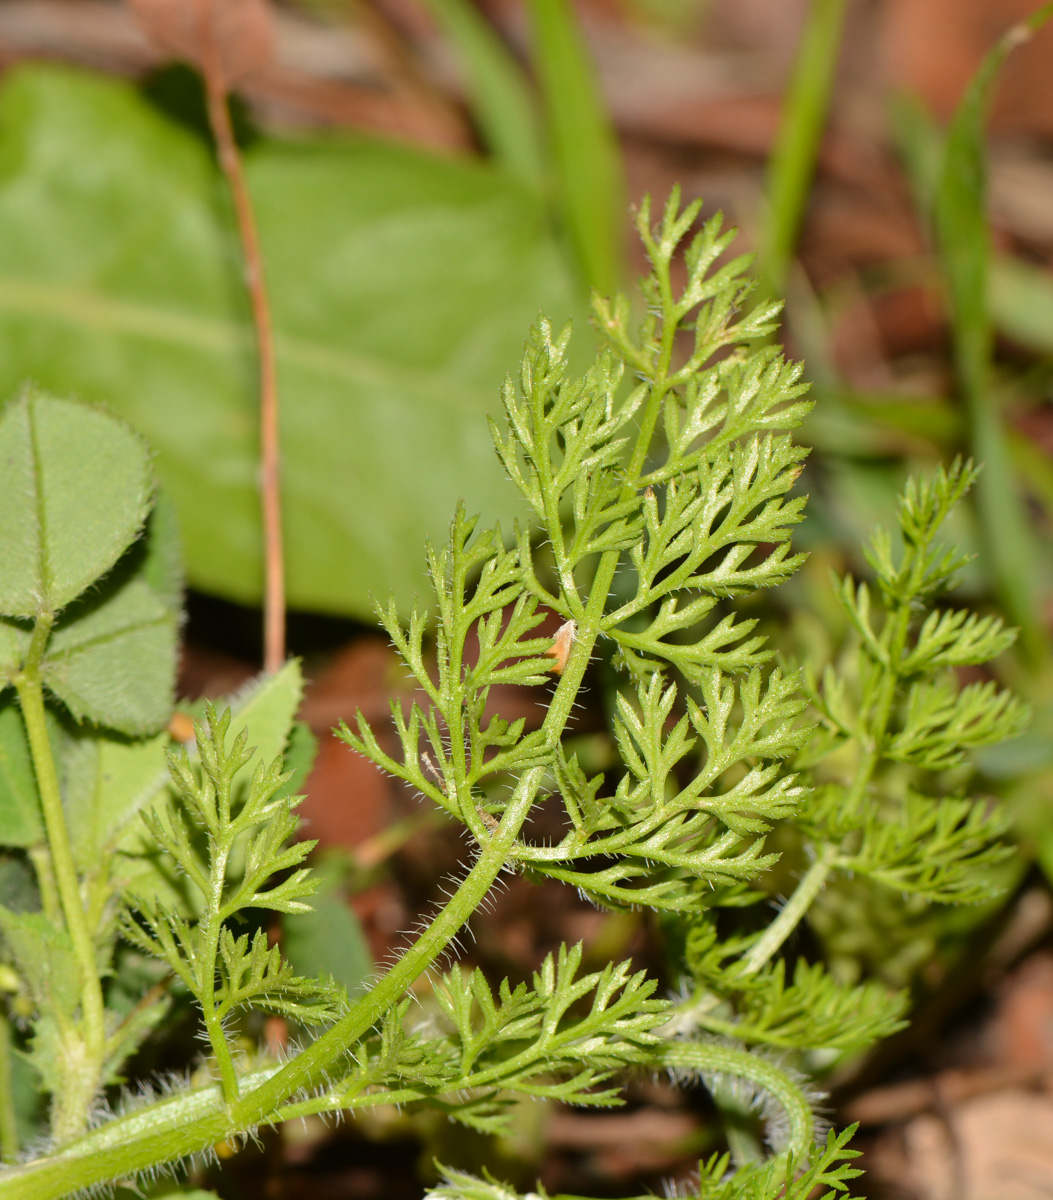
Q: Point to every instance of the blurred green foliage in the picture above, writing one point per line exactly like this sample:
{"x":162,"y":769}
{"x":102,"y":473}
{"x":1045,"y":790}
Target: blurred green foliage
{"x":401,"y":284}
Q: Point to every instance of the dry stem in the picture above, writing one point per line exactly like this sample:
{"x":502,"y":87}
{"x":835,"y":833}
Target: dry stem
{"x":270,"y":464}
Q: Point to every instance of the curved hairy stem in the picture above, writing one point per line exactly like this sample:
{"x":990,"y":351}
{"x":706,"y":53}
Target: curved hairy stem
{"x":192,"y":1122}
{"x":713,"y":1059}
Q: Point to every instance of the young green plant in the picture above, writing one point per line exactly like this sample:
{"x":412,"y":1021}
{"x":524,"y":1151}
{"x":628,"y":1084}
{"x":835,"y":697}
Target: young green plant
{"x":658,"y":491}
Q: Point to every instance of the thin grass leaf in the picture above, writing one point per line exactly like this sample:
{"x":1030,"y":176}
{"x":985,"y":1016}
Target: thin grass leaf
{"x":502,"y":102}
{"x":792,"y":163}
{"x":584,"y":150}
{"x":965,"y":250}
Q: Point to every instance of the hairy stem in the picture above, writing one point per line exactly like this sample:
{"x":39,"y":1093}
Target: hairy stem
{"x":255,"y":278}
{"x":207,"y":978}
{"x":707,"y":1058}
{"x":307,"y":1068}
{"x":792,"y":912}
{"x":71,"y":1110}
{"x":194,"y":1121}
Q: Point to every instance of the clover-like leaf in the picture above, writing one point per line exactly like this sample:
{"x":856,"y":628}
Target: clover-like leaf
{"x":75,"y":488}
{"x":111,"y":659}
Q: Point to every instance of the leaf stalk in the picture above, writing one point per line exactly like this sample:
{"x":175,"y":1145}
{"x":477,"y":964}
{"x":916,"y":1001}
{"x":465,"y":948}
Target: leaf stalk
{"x":71,"y":1108}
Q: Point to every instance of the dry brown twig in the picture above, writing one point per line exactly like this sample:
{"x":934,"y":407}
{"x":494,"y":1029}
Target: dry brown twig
{"x":227,"y":40}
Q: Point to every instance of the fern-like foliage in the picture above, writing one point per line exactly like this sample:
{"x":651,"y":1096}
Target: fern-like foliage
{"x":658,"y":495}
{"x":223,"y":814}
{"x":560,"y":1038}
{"x":889,"y":703}
{"x":826,"y":1177}
{"x":662,"y":480}
{"x":899,"y":702}
{"x":677,"y":481}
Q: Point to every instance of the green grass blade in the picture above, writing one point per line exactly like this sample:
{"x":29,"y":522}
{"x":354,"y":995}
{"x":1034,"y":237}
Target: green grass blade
{"x":1021,"y":300}
{"x":585,"y":153}
{"x":501,"y":97}
{"x":918,"y":138}
{"x":793,"y":159}
{"x":965,"y":250}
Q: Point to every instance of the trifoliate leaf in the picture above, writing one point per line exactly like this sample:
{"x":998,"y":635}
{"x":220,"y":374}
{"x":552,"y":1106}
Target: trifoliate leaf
{"x":111,"y":661}
{"x":74,"y":492}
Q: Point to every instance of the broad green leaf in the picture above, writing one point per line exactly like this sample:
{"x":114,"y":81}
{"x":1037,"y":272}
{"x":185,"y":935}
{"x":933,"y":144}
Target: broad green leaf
{"x":20,"y":823}
{"x":300,"y":753}
{"x":14,"y":641}
{"x":403,"y":285}
{"x":47,"y":1054}
{"x":162,"y":550}
{"x":74,"y":491}
{"x":329,"y":940}
{"x":106,"y":782}
{"x":267,"y":709}
{"x":18,"y":884}
{"x":27,"y":1101}
{"x":43,"y":955}
{"x":111,"y":660}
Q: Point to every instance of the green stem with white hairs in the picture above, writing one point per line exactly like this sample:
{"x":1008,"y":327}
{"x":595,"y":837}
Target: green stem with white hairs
{"x":711,"y":1058}
{"x":85,"y":1046}
{"x":193,"y":1122}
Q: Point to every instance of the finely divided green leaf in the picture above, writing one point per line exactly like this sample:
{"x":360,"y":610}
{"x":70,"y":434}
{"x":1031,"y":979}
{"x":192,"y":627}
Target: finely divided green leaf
{"x":74,"y":491}
{"x":329,"y":940}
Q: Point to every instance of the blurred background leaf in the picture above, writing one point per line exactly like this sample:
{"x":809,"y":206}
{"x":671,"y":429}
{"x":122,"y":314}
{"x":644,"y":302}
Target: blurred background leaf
{"x":329,"y":940}
{"x":118,"y":284}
